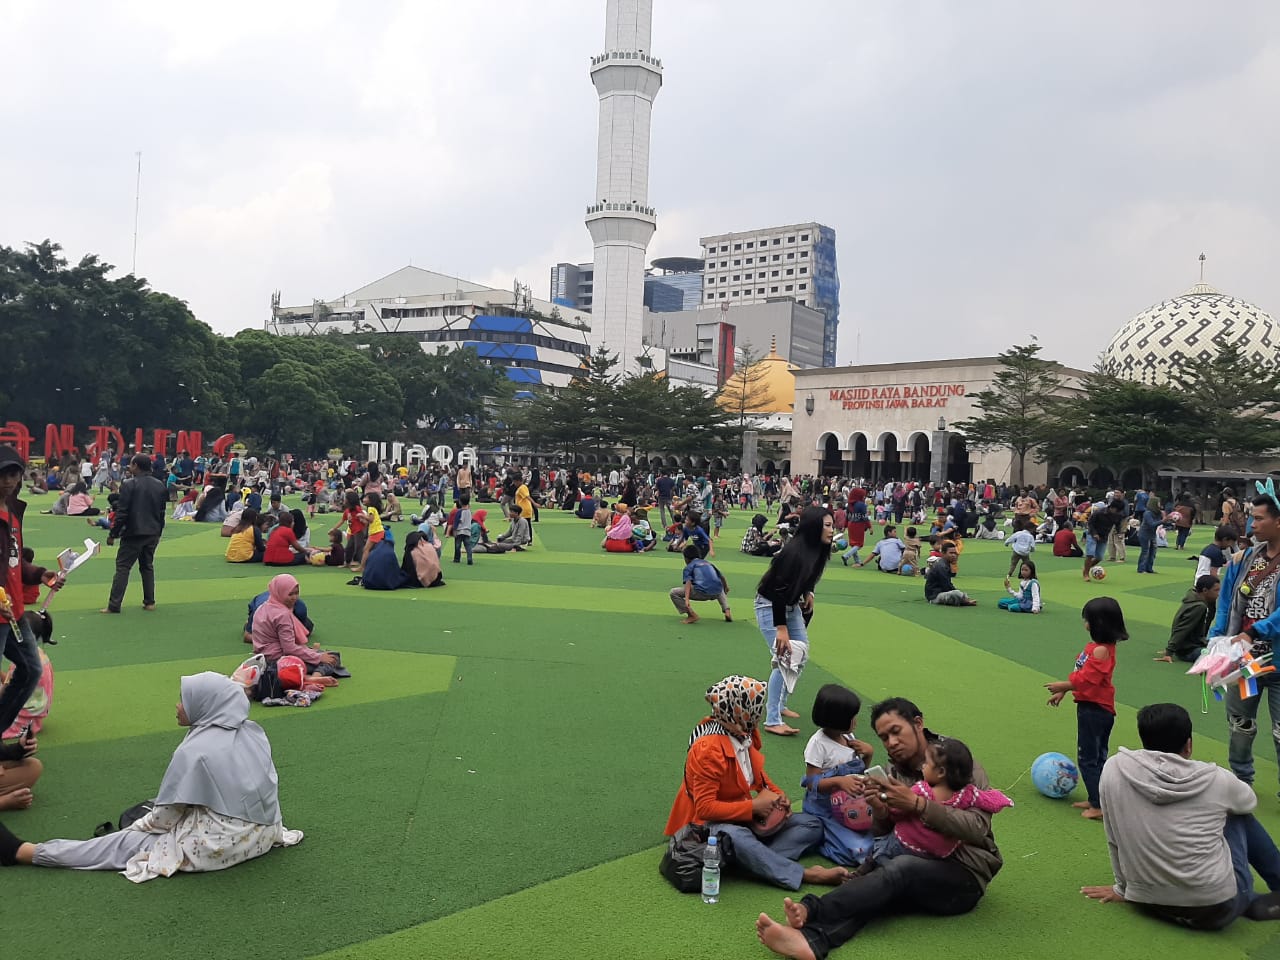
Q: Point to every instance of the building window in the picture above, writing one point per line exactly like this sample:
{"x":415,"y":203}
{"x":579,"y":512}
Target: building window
{"x":737,"y":277}
{"x":804,"y":238}
{"x":802,"y":303}
{"x":791,"y":239}
{"x":760,"y":275}
{"x":724,"y":248}
{"x":804,"y":254}
{"x":774,"y":273}
{"x":721,"y":294}
{"x":749,"y":260}
{"x":711,"y":296}
{"x":790,"y":271}
{"x":777,"y":257}
{"x":737,"y":293}
{"x":804,"y":286}
{"x":791,"y":256}
{"x":750,"y":244}
{"x":760,"y":291}
{"x":773,"y":289}
{"x":788,"y":288}
{"x":738,"y":263}
{"x":776,"y":241}
{"x":737,"y":246}
{"x":804,"y":270}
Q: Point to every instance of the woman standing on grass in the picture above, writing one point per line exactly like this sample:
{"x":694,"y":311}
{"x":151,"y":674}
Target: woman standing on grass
{"x":218,"y":804}
{"x":784,"y":604}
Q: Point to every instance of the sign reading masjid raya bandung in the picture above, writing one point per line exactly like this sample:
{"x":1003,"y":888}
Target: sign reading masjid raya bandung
{"x":903,"y":397}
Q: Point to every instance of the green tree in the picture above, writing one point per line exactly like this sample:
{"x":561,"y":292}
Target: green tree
{"x":1013,"y":411}
{"x":1234,"y":401}
{"x":1120,"y":424}
{"x":747,"y":389}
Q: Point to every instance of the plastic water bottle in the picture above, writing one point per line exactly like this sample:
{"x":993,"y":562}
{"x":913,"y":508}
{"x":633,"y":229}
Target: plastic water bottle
{"x":711,"y":872}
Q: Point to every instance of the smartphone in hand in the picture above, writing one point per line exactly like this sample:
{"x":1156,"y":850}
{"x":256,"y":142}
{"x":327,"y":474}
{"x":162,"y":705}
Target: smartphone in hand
{"x":877,"y":773}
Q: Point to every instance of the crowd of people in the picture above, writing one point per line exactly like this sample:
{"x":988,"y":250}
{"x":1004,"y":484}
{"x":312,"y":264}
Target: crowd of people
{"x":912,"y":835}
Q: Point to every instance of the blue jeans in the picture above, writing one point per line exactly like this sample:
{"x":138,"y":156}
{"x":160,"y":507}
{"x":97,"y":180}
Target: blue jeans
{"x":23,"y":651}
{"x":774,"y":858}
{"x":1146,"y":551}
{"x":796,"y":631}
{"x":1093,"y":738}
{"x":1242,"y":722}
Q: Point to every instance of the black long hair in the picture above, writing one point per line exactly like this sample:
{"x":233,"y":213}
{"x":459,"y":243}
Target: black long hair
{"x":798,"y":566}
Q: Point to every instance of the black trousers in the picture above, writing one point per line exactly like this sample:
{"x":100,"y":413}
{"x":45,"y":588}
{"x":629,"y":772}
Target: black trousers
{"x":903,"y":885}
{"x":142,"y":551}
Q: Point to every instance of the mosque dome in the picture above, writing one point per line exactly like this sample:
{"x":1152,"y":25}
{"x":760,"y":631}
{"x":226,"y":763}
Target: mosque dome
{"x":1149,"y":347}
{"x":779,"y":381}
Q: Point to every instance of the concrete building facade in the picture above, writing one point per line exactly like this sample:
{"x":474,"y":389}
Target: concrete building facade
{"x":796,"y":261}
{"x":573,"y":285}
{"x":796,"y":329}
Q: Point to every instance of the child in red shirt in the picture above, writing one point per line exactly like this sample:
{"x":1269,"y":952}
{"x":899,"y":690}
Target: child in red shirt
{"x":1095,"y":694}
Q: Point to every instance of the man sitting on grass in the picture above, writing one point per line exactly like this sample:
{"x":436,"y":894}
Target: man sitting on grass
{"x":702,"y":581}
{"x":938,"y":586}
{"x":1181,"y":833}
{"x":1191,"y":623}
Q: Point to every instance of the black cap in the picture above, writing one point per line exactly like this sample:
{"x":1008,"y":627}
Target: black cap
{"x":9,"y":457}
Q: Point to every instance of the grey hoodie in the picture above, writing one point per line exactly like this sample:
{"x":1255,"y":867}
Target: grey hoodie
{"x":1164,"y":822}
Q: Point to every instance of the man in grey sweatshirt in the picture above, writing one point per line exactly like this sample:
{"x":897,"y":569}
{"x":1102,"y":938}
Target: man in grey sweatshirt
{"x":1181,"y":833}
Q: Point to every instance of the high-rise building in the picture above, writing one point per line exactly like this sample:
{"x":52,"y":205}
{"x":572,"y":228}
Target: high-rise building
{"x":797,"y":261}
{"x":573,"y":285}
{"x":627,"y":78}
{"x":678,"y":285}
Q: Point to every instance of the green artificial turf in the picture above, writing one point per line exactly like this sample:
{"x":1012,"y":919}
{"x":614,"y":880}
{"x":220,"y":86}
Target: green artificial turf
{"x":494,"y":779}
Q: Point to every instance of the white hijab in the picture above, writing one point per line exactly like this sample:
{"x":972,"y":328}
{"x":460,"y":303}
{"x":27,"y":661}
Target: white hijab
{"x":224,"y":762}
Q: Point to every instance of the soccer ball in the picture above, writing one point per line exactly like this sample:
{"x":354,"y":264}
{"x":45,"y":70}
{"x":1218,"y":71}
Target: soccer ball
{"x":1098,"y":573}
{"x":1054,"y":775}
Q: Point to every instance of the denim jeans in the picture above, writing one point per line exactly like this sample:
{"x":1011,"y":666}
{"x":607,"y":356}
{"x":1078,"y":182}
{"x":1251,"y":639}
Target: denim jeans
{"x":796,"y":631}
{"x":23,"y":651}
{"x":774,"y":858}
{"x":1093,"y":738}
{"x":1183,"y":533}
{"x":1242,"y":722}
{"x":1146,"y":551}
{"x":903,"y":885}
{"x":458,"y":543}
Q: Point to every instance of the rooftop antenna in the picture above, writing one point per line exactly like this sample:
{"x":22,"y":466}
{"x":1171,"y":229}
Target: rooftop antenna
{"x":137,"y":205}
{"x":1202,"y":259}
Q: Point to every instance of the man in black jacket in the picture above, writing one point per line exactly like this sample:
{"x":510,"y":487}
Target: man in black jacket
{"x":938,"y":586}
{"x":138,"y":525}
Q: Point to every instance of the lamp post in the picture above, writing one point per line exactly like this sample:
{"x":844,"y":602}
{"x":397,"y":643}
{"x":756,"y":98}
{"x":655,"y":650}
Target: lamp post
{"x":808,"y":405}
{"x":938,"y":451}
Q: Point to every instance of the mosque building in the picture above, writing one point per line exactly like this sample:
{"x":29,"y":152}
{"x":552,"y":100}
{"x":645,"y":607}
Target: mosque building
{"x":896,"y":420}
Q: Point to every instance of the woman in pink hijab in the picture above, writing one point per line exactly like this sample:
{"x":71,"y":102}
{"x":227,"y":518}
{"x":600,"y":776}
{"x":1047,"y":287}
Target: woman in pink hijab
{"x":278,"y":633}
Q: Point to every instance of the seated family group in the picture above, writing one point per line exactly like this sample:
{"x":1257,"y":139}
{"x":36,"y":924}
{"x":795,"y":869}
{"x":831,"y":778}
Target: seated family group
{"x":916,"y":836}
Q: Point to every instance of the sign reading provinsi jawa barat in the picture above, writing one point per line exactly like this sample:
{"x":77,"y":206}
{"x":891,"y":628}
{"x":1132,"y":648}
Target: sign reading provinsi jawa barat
{"x":903,"y":397}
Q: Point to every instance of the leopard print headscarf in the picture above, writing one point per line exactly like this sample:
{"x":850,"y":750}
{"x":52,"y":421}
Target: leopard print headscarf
{"x":738,"y":700}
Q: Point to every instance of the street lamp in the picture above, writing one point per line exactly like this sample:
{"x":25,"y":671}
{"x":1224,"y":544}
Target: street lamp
{"x":808,"y":404}
{"x":942,"y":424}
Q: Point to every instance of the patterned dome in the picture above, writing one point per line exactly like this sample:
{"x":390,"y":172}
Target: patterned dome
{"x":1153,"y":342}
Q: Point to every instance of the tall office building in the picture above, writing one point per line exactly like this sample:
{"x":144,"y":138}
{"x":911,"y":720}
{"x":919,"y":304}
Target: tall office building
{"x":797,"y":261}
{"x":573,"y":285}
{"x":627,"y":79}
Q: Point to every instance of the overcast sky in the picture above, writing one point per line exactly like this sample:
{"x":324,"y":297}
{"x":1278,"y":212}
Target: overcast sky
{"x":992,"y":169}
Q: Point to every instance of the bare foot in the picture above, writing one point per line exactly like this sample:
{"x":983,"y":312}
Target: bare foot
{"x":1082,"y":805}
{"x":18,"y":799}
{"x":789,"y":714}
{"x":690,"y":619}
{"x":797,"y":913}
{"x":149,"y":607}
{"x":782,"y":730}
{"x":1093,"y":813}
{"x":783,"y":941}
{"x":108,"y":610}
{"x":1165,"y":659}
{"x":728,"y":617}
{"x":827,"y":876}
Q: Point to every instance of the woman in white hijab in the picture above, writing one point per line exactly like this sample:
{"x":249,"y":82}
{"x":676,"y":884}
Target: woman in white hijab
{"x":218,"y":803}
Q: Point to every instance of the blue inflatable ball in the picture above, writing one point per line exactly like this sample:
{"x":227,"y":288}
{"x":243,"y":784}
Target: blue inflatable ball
{"x":1054,"y":775}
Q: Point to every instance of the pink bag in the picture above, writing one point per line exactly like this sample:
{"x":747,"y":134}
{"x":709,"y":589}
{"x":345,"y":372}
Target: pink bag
{"x":292,"y":672}
{"x":850,"y":811}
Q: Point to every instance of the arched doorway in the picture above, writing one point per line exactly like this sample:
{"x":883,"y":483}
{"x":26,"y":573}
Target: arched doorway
{"x":861,"y":463}
{"x":832,"y":462}
{"x":1102,"y":477}
{"x":1071,"y":476}
{"x":959,"y":470}
{"x":921,"y":459}
{"x":1131,"y":479}
{"x":890,"y":460}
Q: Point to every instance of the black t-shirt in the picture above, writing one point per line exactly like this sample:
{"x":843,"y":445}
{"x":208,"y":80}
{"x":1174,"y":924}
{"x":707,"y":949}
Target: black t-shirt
{"x":1215,"y":554}
{"x":1102,"y":523}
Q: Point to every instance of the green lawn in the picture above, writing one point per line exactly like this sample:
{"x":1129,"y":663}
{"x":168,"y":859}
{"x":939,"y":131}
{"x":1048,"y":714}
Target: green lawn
{"x":494,"y":780}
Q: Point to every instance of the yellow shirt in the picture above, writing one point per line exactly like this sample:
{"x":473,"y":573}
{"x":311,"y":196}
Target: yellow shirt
{"x":375,"y":521}
{"x":240,"y":547}
{"x":524,"y":502}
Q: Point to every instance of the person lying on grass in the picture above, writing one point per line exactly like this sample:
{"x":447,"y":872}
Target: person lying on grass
{"x":218,"y":804}
{"x":723,"y":768}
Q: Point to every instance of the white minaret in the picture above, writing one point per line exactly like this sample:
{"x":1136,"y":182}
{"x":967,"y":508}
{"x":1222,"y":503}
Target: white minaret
{"x":621,"y":222}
